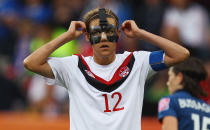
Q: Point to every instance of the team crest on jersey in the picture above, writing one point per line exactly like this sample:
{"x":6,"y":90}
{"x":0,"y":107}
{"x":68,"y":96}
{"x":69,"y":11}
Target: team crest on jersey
{"x":124,"y":71}
{"x":163,"y":104}
{"x":90,"y":73}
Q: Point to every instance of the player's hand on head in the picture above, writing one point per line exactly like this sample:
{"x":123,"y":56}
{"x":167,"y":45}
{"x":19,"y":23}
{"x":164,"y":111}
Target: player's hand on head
{"x":130,"y":28}
{"x":76,"y":29}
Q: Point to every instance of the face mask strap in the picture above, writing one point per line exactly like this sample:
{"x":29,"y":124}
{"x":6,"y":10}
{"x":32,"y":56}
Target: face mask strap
{"x":102,"y":17}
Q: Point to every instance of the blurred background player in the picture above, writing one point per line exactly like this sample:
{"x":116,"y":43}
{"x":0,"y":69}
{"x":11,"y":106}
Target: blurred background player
{"x":183,"y":109}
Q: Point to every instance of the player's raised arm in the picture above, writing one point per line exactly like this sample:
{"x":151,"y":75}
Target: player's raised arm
{"x":174,"y":53}
{"x":37,"y":61}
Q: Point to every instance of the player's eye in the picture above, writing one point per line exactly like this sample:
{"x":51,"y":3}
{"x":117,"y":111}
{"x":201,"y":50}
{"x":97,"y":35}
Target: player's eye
{"x":96,"y":33}
{"x":110,"y":32}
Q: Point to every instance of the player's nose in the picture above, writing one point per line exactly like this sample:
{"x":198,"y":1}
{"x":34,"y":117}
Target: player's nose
{"x":103,"y":37}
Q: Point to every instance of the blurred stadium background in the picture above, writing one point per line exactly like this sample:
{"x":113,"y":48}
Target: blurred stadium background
{"x":26,"y":102}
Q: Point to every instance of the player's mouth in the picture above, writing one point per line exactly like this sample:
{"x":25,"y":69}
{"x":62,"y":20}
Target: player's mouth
{"x":104,"y":46}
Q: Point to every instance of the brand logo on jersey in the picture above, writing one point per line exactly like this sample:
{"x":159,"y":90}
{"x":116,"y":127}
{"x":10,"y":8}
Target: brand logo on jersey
{"x":90,"y":73}
{"x":163,"y":104}
{"x":124,"y":71}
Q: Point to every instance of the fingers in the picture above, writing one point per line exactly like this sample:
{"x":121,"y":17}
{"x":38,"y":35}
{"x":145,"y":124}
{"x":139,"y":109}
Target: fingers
{"x":129,"y":28}
{"x":127,"y":25}
{"x":125,"y":22}
{"x":123,"y":25}
{"x":76,"y":29}
{"x":80,"y":26}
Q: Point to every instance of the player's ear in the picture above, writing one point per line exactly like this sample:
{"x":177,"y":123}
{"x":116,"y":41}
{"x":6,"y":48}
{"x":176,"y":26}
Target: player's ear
{"x":87,"y":37}
{"x":179,"y":77}
{"x":119,"y":32}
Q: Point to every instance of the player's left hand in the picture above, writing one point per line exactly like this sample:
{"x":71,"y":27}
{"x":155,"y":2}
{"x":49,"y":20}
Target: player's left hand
{"x":130,"y":28}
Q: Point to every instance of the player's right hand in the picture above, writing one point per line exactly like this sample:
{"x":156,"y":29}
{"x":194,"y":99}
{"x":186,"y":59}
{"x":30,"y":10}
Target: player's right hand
{"x":76,"y":29}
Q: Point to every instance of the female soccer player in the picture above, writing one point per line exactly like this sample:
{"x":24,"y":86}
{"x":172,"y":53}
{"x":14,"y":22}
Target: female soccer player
{"x":183,"y":109}
{"x":106,"y":89}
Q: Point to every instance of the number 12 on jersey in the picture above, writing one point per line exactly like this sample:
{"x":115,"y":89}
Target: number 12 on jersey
{"x":107,"y":109}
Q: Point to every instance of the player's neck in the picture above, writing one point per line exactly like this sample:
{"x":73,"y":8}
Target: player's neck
{"x":104,"y":60}
{"x":177,"y":88}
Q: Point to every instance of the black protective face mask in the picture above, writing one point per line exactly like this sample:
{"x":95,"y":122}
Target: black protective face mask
{"x":110,"y":30}
{"x":96,"y":33}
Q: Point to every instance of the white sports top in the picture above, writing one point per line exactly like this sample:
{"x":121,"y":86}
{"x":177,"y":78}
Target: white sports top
{"x":104,"y":97}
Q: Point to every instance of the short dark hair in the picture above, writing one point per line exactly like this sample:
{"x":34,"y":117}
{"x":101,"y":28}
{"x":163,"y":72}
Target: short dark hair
{"x":193,"y":72}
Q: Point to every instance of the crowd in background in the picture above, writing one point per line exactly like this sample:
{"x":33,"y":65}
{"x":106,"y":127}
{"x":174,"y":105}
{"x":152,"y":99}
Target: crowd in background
{"x":25,"y":25}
